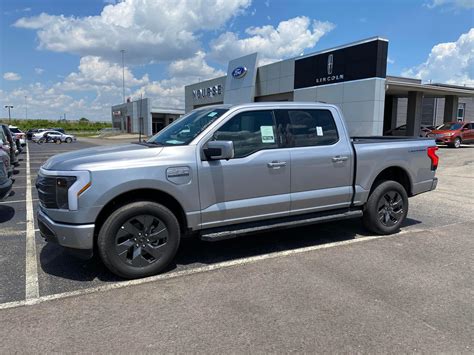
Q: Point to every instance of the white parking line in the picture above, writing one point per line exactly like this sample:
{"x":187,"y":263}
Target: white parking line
{"x":31,"y":271}
{"x":7,"y":202}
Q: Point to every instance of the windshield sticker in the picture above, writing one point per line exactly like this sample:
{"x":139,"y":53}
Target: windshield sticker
{"x":212,"y":114}
{"x":174,"y":141}
{"x":267,"y":134}
{"x":319,"y":130}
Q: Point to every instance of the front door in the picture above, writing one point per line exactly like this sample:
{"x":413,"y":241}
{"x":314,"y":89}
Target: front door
{"x":255,"y":184}
{"x":321,"y":160}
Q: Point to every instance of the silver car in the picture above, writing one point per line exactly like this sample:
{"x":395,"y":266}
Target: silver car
{"x":63,"y":137}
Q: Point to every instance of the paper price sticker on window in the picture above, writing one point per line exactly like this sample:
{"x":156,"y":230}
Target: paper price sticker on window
{"x":267,"y":134}
{"x":319,"y":130}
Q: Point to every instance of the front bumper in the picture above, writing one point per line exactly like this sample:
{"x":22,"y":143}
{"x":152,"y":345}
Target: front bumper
{"x":5,"y":188}
{"x":74,"y":236}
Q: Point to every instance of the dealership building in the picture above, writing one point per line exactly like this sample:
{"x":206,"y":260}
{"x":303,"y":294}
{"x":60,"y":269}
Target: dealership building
{"x":141,"y":116}
{"x":351,"y":76}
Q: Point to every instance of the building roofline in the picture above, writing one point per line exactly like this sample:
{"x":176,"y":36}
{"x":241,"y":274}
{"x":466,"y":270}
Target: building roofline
{"x":365,"y":40}
{"x":430,"y":88}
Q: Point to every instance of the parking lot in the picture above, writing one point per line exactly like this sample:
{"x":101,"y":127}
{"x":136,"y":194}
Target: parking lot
{"x":440,"y":220}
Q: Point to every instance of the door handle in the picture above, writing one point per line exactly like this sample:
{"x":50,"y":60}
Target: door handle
{"x":276,"y":164}
{"x":338,"y":159}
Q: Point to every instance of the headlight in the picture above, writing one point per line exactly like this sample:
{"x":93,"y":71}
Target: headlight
{"x":63,"y":184}
{"x":61,"y":189}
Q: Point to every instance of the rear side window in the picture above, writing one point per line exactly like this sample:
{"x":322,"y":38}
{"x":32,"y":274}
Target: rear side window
{"x":250,"y":132}
{"x":305,"y":128}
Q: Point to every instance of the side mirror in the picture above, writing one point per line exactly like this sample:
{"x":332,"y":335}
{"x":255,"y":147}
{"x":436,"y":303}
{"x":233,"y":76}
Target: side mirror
{"x":217,"y":150}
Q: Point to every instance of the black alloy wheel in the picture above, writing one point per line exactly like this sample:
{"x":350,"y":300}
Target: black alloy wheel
{"x":390,"y":208}
{"x":141,"y":240}
{"x":386,"y":208}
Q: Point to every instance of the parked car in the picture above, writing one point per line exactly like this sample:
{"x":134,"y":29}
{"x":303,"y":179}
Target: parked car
{"x":454,"y":133}
{"x":67,"y":138}
{"x":61,"y":130}
{"x":5,"y":180}
{"x":402,"y":131}
{"x":236,"y":170}
{"x":12,"y":143}
{"x":5,"y":148}
{"x":19,"y":135}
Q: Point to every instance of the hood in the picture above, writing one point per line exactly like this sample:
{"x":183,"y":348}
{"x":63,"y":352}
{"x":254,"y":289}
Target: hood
{"x":443,"y":131}
{"x":98,"y":158}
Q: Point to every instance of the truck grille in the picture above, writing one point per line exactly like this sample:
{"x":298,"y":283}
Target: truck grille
{"x":47,"y":191}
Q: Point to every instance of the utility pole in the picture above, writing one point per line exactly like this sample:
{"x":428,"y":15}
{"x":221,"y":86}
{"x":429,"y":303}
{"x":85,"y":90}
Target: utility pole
{"x":9,"y":114}
{"x":26,"y":107}
{"x":123,"y":73}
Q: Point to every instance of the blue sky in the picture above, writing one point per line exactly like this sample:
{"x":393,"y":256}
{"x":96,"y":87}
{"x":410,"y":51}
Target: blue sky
{"x":65,"y":55}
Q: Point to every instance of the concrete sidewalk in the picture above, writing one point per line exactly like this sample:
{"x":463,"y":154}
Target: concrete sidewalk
{"x":408,"y":293}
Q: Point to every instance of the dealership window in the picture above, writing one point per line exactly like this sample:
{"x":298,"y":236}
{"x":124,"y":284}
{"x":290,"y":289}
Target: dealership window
{"x":250,"y":132}
{"x":304,"y":128}
{"x":461,"y":110}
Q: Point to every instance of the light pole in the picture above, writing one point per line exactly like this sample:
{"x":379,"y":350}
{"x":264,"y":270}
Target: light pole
{"x":123,"y":73}
{"x":9,"y":107}
{"x":26,"y":107}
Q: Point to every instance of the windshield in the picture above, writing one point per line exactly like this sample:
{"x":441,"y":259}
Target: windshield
{"x":15,"y":130}
{"x":449,"y":126}
{"x":188,"y":127}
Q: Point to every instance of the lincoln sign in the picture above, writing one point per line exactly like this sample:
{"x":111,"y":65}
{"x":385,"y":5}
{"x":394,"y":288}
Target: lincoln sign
{"x":361,"y":61}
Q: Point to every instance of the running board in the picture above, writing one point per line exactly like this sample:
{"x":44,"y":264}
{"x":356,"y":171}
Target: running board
{"x":233,"y":231}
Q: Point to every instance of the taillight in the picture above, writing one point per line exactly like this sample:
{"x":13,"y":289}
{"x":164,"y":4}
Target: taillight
{"x":434,"y":158}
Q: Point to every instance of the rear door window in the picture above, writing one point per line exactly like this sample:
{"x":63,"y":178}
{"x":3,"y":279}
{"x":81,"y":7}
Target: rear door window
{"x":305,"y":128}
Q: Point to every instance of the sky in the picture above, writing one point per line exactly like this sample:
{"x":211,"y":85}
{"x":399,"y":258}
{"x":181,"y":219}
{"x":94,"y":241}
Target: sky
{"x":64,"y":55}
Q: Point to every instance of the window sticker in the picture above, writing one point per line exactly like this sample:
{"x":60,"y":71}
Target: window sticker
{"x":212,"y":114}
{"x":319,"y":130}
{"x":267,"y":134}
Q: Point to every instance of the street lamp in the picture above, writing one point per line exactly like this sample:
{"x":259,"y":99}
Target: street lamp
{"x":9,"y":114}
{"x":123,"y":73}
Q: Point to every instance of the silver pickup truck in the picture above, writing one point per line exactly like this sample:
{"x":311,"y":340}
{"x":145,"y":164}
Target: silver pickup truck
{"x":223,"y":171}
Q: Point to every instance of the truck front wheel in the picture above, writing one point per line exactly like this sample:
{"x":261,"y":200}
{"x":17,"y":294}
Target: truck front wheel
{"x":139,"y":239}
{"x":386,"y":208}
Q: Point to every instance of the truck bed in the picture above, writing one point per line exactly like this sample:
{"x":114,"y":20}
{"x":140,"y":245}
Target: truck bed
{"x":385,"y":139}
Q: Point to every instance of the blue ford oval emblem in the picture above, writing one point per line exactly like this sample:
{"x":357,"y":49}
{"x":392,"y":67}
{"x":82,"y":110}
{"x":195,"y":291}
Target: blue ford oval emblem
{"x":239,"y":72}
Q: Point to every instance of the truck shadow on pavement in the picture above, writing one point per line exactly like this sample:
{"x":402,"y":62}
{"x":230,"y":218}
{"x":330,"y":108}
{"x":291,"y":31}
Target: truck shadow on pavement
{"x":194,"y":253}
{"x":6,"y":213}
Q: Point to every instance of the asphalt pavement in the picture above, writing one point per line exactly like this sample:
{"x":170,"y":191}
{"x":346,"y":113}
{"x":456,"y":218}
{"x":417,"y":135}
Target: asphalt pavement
{"x":328,"y":288}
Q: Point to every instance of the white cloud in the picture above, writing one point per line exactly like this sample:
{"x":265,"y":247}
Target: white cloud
{"x":97,"y":73}
{"x":289,"y":38}
{"x":390,"y":60}
{"x":149,"y":30}
{"x":451,"y":62}
{"x":10,"y":76}
{"x":193,"y":67}
{"x":39,"y":71}
{"x":463,"y":4}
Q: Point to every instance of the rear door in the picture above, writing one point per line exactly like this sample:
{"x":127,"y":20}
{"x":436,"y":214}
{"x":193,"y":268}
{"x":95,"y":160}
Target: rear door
{"x":253,"y":185}
{"x":321,"y":159}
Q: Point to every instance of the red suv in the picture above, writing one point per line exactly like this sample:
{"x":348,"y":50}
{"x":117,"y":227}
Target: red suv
{"x":454,"y":133}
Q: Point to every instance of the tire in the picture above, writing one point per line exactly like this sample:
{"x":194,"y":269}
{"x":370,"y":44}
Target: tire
{"x":40,"y":141}
{"x":68,"y":140}
{"x":132,"y":242}
{"x":457,"y":143}
{"x":386,"y":208}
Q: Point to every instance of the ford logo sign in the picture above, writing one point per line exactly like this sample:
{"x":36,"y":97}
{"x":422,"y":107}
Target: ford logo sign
{"x":239,"y":72}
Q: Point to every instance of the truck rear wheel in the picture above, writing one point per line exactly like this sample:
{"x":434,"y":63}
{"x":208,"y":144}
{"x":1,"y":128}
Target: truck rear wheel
{"x":386,"y":208}
{"x":139,"y":239}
